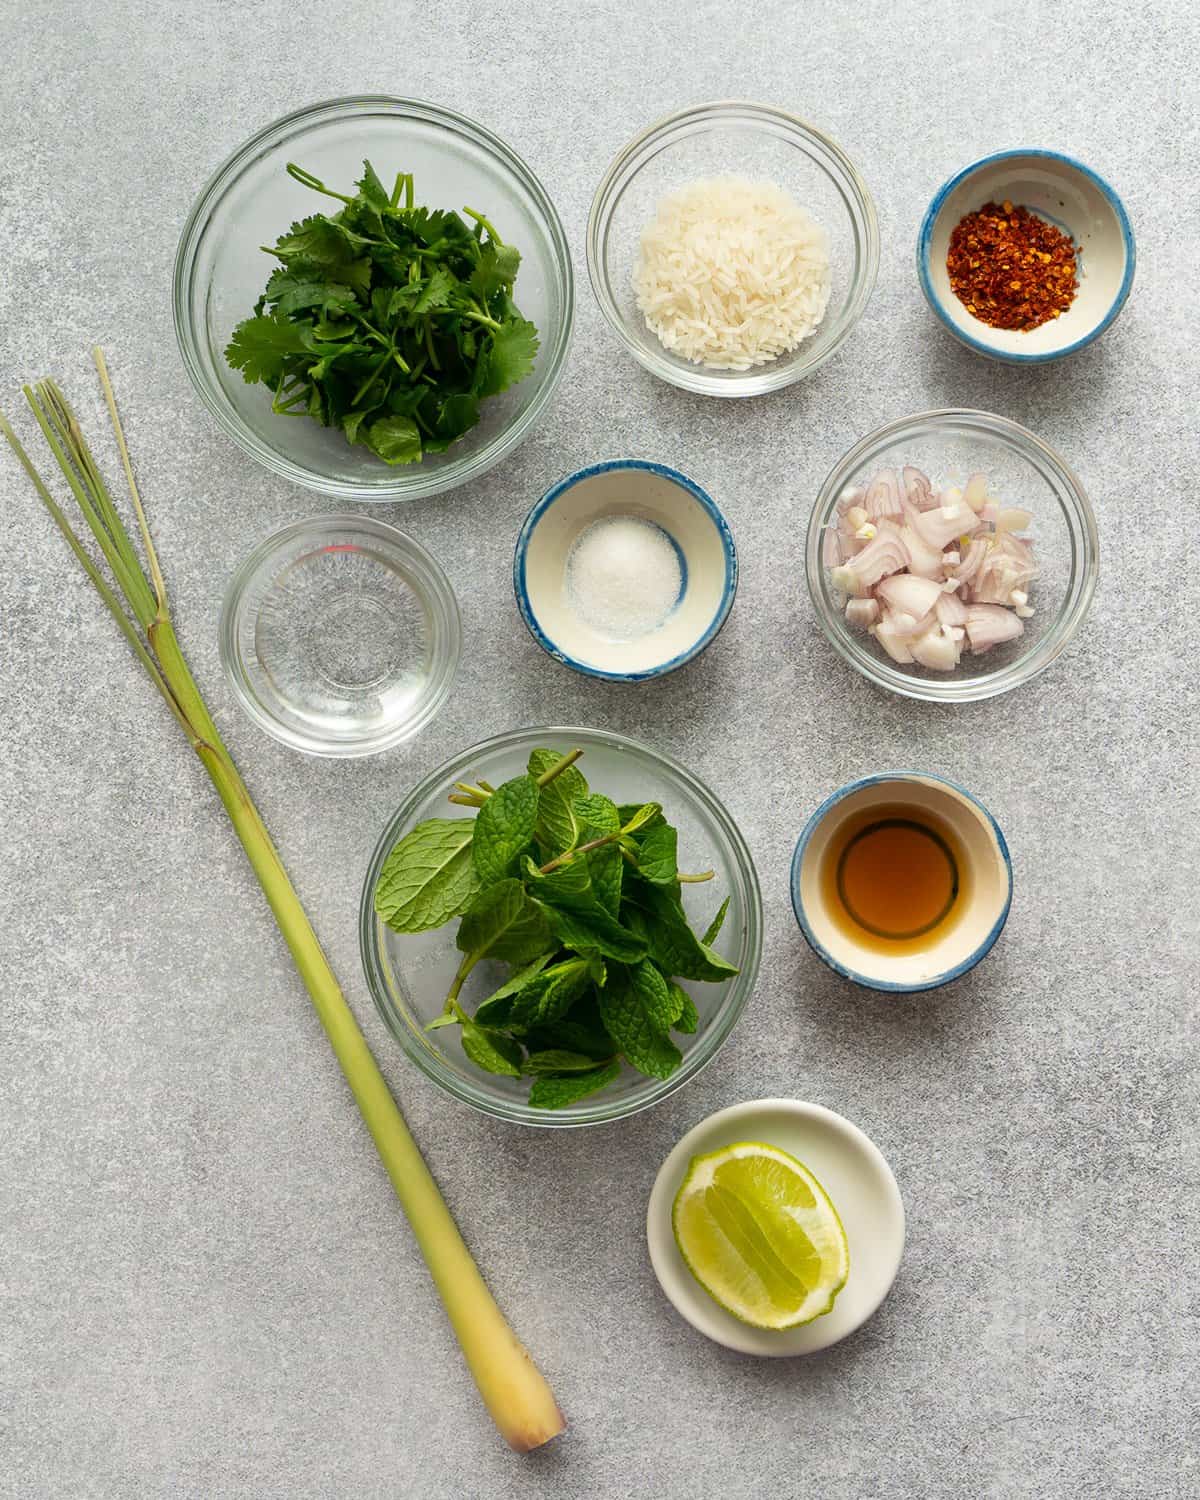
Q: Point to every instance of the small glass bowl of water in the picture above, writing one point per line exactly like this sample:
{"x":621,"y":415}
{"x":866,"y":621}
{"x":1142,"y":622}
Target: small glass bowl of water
{"x":340,"y":636}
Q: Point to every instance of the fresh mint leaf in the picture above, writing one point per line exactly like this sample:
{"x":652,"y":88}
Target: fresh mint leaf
{"x":260,"y":347}
{"x":598,"y":814}
{"x":684,"y":1015}
{"x":627,"y":810}
{"x":645,"y":815}
{"x":552,"y":996}
{"x":635,"y":1033}
{"x":558,"y":1092}
{"x":579,"y":1031}
{"x":518,"y":980}
{"x":491,"y":1050}
{"x":577,"y":915}
{"x":558,"y":1060}
{"x":397,"y":440}
{"x":653,"y":993}
{"x":712,"y":932}
{"x":557,"y":824}
{"x":504,"y":827}
{"x":659,"y":918}
{"x":509,"y":358}
{"x":502,"y":922}
{"x":657,"y":856}
{"x":428,"y":877}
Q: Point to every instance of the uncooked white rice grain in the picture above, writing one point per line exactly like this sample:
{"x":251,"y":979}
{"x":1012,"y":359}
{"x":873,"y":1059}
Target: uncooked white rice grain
{"x":732,"y":273}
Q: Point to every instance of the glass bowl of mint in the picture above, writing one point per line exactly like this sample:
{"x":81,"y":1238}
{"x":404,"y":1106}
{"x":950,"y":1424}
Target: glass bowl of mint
{"x":374,"y":297}
{"x":561,"y":926}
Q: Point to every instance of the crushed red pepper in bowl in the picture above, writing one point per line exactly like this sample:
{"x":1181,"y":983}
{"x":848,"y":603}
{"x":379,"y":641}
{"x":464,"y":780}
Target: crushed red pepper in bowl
{"x":1010,"y":268}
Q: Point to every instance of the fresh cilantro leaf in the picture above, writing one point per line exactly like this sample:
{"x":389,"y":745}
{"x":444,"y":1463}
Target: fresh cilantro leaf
{"x":509,"y":357}
{"x":397,"y":440}
{"x":260,"y":347}
{"x":497,"y":269}
{"x":458,"y":415}
{"x":371,"y":188}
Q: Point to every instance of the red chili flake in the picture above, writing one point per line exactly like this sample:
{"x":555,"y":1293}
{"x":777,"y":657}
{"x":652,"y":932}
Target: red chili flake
{"x":1010,"y":268}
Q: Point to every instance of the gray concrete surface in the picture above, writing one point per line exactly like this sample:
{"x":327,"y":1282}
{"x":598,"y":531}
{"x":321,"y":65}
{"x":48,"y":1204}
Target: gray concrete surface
{"x":207,"y":1287}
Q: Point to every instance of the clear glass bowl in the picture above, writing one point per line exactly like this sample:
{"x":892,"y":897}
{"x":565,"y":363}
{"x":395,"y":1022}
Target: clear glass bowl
{"x":746,"y":140}
{"x":220,"y":272}
{"x":409,"y":974}
{"x":1025,"y":472}
{"x":340,"y":636}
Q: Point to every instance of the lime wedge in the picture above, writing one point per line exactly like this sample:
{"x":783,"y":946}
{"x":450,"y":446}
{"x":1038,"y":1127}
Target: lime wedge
{"x":758,"y":1232}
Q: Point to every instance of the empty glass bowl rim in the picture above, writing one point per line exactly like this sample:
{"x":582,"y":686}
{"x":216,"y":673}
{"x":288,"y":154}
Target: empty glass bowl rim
{"x":706,"y":503}
{"x":405,"y":483}
{"x":1060,"y":479}
{"x":600,"y":1109}
{"x":956,"y":971}
{"x":435,"y":592}
{"x":852,"y":189}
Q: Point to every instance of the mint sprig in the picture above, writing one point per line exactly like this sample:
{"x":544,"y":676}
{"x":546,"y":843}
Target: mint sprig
{"x":582,"y":896}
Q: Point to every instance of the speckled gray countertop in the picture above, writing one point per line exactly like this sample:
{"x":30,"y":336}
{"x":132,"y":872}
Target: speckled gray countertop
{"x":206,"y":1286}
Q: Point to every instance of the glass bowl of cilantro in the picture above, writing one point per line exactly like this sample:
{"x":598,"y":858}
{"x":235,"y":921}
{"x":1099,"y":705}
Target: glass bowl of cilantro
{"x":374,"y":297}
{"x":561,"y":926}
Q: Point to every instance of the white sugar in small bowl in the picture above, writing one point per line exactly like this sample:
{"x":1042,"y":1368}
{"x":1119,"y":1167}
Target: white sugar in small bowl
{"x":701,"y":556}
{"x":1074,"y":199}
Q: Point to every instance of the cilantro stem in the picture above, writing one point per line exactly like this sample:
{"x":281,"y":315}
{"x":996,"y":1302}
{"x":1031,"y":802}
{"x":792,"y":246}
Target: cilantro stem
{"x":485,"y":223}
{"x":397,"y":189}
{"x":401,"y":361}
{"x":433,"y":359}
{"x":479,"y":316}
{"x":306,"y":179}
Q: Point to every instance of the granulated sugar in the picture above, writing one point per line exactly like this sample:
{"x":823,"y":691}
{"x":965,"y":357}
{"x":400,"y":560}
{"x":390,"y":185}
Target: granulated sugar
{"x":623,"y":576}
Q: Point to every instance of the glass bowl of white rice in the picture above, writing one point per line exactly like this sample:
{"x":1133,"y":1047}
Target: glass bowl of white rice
{"x":732,"y":248}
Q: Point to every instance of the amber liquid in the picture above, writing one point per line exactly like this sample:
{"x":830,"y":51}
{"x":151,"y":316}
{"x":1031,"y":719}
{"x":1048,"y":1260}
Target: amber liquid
{"x":893,"y":878}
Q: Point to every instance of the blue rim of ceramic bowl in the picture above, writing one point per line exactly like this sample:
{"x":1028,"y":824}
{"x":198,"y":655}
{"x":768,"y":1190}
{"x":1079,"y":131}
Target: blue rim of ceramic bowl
{"x":981,"y":346}
{"x":704,"y":500}
{"x":947,"y":976}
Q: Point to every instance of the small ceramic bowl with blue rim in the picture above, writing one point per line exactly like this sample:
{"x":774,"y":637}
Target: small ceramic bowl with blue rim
{"x":625,"y":570}
{"x":970,"y":839}
{"x":1074,"y":199}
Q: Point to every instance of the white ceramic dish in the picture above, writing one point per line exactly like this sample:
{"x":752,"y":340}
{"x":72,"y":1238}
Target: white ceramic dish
{"x":957,"y":947}
{"x":1069,"y":195}
{"x":853,"y":1172}
{"x":650,"y":492}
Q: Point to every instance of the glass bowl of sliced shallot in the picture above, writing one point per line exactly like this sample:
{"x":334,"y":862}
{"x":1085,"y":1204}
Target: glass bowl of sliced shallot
{"x":951,"y":555}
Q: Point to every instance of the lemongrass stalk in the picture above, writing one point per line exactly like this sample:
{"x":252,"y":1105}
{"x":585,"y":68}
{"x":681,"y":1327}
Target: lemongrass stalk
{"x":515,"y":1392}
